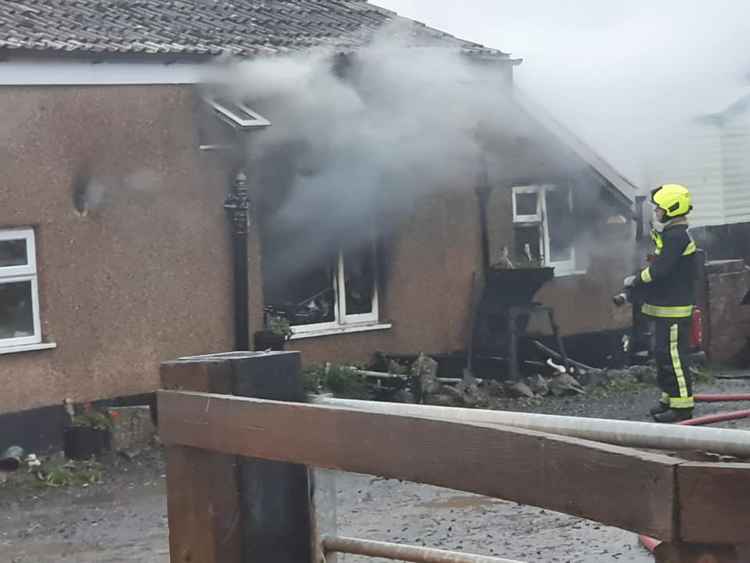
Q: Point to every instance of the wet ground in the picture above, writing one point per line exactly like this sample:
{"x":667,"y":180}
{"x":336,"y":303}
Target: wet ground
{"x":124,"y":517}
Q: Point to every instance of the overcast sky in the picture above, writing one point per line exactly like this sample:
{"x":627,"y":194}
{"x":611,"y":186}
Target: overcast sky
{"x":620,"y":73}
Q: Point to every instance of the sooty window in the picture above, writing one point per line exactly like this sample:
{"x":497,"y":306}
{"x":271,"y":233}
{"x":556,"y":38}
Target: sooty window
{"x":544,"y":227}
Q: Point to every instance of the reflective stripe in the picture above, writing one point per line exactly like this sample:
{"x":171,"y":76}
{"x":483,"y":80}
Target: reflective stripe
{"x":664,"y":400}
{"x":681,"y":403}
{"x":646,"y":276}
{"x":684,"y":400}
{"x":691,"y":248}
{"x":658,"y":242}
{"x":667,"y":312}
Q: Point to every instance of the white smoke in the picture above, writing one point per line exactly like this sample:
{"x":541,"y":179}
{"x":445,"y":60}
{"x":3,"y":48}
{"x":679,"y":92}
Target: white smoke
{"x":629,"y":77}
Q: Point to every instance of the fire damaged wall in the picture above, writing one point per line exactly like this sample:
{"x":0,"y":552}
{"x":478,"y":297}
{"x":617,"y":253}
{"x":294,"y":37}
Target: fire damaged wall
{"x":389,"y":152}
{"x":133,"y":250}
{"x":431,"y":263}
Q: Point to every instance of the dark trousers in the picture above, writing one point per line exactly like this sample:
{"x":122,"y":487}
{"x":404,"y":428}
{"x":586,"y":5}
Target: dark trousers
{"x":671,"y":345}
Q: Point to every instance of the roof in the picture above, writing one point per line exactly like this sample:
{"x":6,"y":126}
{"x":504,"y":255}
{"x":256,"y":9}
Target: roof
{"x":618,"y":185}
{"x":200,"y":27}
{"x":739,"y":106}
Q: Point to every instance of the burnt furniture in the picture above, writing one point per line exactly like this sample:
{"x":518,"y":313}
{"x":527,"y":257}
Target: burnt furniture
{"x":505,"y":308}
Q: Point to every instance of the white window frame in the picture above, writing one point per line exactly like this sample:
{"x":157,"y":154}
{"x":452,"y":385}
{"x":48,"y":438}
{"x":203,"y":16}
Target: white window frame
{"x":343,"y":322}
{"x":257,"y":120}
{"x":529,"y":219}
{"x":25,"y":273}
{"x":562,"y":267}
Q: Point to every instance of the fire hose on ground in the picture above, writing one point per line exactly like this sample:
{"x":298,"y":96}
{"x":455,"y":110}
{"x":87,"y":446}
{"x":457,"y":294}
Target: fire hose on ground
{"x":626,"y":433}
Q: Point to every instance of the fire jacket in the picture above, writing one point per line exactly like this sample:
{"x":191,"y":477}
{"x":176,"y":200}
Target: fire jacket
{"x":667,"y":283}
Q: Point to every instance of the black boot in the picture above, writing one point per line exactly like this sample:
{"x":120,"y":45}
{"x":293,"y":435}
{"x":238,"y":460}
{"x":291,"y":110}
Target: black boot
{"x":672,"y":416}
{"x":659,"y":409}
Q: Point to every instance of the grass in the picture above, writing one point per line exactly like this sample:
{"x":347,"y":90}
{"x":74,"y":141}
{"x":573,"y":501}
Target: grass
{"x":66,"y":473}
{"x":58,"y":472}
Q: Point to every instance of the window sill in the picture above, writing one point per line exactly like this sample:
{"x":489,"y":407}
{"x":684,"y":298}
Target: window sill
{"x":27,"y":348}
{"x":343,"y":329}
{"x":570,"y":274}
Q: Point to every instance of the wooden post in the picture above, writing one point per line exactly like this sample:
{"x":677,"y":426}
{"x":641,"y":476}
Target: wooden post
{"x":225,"y":509}
{"x":694,"y":553}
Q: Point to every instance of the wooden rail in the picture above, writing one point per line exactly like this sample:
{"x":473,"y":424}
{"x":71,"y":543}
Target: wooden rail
{"x":698,"y":510}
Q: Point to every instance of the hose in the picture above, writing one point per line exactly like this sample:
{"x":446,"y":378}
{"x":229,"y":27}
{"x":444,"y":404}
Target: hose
{"x":651,"y":543}
{"x":722,"y":398}
{"x":626,"y":433}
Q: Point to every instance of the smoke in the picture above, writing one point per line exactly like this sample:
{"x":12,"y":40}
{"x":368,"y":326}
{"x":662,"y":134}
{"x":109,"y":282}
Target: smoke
{"x":629,"y":77}
{"x":375,"y":132}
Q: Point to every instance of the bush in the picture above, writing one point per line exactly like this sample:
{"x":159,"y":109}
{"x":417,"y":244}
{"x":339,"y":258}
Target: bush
{"x":343,"y":381}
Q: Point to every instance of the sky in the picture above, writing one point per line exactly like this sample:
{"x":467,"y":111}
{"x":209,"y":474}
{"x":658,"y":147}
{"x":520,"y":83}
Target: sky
{"x":623,"y":75}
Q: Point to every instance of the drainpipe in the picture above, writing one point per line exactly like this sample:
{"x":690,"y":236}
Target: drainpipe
{"x":237,"y":206}
{"x":639,"y":324}
{"x":483,"y":195}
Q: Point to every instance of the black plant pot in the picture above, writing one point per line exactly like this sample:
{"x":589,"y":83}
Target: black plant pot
{"x":267,"y":340}
{"x":83,"y":442}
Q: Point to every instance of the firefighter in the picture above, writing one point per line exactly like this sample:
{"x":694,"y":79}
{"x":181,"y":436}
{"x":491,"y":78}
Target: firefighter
{"x":665,"y":288}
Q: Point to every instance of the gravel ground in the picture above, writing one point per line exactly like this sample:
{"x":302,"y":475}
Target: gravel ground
{"x":124,"y":517}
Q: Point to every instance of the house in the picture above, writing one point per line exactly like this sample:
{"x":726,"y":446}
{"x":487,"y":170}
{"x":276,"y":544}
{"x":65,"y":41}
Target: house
{"x":119,"y":173}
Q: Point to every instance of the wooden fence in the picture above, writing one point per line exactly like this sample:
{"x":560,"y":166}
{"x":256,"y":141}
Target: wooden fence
{"x":240,"y":439}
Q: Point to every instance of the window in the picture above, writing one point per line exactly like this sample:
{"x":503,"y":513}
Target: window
{"x":323,"y":290}
{"x":19,"y":300}
{"x":237,"y":113}
{"x":544,"y":227}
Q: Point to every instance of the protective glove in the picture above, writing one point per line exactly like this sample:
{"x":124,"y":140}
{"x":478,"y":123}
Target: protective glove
{"x":629,"y":281}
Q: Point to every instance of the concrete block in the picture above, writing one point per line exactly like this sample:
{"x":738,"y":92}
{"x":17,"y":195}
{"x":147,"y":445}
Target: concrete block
{"x":132,"y":427}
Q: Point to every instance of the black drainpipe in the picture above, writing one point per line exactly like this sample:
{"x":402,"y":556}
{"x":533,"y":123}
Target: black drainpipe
{"x":483,"y":196}
{"x":237,"y":206}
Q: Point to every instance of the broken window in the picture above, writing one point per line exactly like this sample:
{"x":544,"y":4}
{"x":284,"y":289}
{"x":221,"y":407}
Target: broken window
{"x":315,"y":287}
{"x":544,"y":227}
{"x":360,"y":295}
{"x":19,"y":302}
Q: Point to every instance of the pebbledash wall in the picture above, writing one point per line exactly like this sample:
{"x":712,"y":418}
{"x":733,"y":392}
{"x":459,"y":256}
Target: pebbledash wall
{"x":428,"y":289}
{"x":144,"y":274}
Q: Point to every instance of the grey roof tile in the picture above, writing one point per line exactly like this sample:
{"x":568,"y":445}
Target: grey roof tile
{"x":198,"y":27}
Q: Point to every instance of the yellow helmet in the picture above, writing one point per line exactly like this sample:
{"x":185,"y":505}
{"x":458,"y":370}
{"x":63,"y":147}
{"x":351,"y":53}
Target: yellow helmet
{"x":674,"y":199}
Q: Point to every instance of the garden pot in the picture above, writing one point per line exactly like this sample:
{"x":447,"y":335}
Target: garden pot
{"x":265,"y":340}
{"x":83,"y":442}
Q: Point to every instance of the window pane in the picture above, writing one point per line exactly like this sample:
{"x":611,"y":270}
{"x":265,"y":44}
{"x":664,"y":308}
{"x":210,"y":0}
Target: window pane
{"x":13,"y":253}
{"x":299,"y":282}
{"x":561,"y":225}
{"x":16,"y":310}
{"x":526,"y":246}
{"x":359,"y":278}
{"x":527,"y":203}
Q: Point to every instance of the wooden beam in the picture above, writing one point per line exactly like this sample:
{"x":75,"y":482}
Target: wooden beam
{"x":690,"y":553}
{"x":251,"y":510}
{"x":202,"y":506}
{"x":197,"y":479}
{"x":617,"y":486}
{"x":714,"y":499}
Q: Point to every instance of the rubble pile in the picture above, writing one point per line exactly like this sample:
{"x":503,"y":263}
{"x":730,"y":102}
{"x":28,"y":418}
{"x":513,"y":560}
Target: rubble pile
{"x":475,"y":393}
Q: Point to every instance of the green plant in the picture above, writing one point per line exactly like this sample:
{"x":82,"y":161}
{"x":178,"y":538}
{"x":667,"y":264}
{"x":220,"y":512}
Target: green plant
{"x":343,"y":381}
{"x":346,"y":383}
{"x":91,"y":418}
{"x":279,"y":326}
{"x":59,"y":473}
{"x":312,"y":378}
